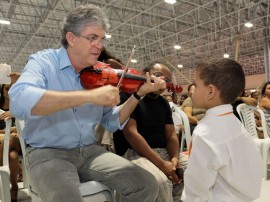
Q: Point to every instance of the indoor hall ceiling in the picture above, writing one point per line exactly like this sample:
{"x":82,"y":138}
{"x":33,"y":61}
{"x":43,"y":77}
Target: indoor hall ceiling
{"x":204,"y":29}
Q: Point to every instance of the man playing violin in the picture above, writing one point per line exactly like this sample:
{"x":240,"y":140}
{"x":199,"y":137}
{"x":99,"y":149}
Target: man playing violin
{"x":153,"y":143}
{"x":61,"y":117}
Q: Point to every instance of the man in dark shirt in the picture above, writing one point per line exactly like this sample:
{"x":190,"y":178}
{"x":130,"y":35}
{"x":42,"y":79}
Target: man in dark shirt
{"x":153,"y":143}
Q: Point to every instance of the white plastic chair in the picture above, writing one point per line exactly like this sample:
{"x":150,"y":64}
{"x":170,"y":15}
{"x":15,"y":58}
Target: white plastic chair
{"x":246,"y":113}
{"x":5,"y":182}
{"x":4,"y":170}
{"x":186,"y":135}
{"x":91,"y":191}
{"x":266,"y":147}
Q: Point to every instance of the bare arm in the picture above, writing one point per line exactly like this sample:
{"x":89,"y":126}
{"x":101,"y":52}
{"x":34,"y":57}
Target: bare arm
{"x":192,"y":119}
{"x":139,"y":144}
{"x":249,"y":101}
{"x":265,"y":103}
{"x":172,"y":143}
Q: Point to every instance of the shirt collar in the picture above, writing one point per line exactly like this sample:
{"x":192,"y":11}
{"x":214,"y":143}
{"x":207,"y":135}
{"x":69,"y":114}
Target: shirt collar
{"x":64,"y":59}
{"x":219,"y":110}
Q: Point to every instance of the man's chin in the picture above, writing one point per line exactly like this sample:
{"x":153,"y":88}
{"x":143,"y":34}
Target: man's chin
{"x":93,"y":62}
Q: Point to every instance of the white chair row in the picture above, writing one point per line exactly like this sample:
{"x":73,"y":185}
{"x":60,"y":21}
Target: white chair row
{"x":247,"y":117}
{"x":4,"y":170}
{"x":92,"y":191}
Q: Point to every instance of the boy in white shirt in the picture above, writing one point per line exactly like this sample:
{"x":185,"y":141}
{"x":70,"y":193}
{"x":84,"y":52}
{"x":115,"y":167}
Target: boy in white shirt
{"x":225,"y":164}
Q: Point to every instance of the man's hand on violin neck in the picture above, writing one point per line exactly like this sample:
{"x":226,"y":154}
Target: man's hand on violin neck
{"x":151,"y":86}
{"x":107,"y":96}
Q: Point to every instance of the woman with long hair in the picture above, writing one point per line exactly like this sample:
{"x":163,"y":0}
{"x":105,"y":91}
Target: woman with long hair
{"x":264,"y":102}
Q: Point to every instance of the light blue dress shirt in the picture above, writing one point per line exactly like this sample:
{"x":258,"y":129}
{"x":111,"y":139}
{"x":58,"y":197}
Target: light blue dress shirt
{"x":75,"y":127}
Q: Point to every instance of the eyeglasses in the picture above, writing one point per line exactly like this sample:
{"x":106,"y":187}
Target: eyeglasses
{"x":95,"y":40}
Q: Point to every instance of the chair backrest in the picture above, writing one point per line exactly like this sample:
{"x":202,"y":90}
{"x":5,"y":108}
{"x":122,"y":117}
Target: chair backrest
{"x":177,"y":120}
{"x":19,"y":126}
{"x":91,"y":191}
{"x":264,"y":123}
{"x":6,"y":140}
{"x":4,"y":170}
{"x":247,"y":116}
{"x":186,"y":134}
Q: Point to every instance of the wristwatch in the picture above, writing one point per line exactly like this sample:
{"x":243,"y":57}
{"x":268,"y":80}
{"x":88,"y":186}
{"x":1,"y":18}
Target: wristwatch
{"x":138,"y":97}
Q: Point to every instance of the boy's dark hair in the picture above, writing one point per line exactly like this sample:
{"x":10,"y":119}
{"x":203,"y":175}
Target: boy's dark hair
{"x":226,"y":74}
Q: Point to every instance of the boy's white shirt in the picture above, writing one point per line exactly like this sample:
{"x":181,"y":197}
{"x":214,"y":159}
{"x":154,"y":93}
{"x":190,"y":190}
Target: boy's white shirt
{"x":176,"y":116}
{"x":225,"y":164}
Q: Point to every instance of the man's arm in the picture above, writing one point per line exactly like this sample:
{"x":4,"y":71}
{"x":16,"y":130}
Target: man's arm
{"x":249,"y":101}
{"x":54,"y":101}
{"x":264,"y":103}
{"x":140,"y":145}
{"x":127,"y":108}
{"x":192,"y":119}
{"x":172,"y":144}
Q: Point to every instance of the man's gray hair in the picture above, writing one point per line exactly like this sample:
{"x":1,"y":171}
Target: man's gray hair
{"x":80,"y":17}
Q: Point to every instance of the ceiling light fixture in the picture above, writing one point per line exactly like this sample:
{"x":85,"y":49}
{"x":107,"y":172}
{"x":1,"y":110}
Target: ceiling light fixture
{"x":180,"y":66}
{"x":170,"y":1}
{"x":177,"y":47}
{"x":249,"y":24}
{"x":226,"y":55}
{"x":5,"y":22}
{"x":133,"y":60}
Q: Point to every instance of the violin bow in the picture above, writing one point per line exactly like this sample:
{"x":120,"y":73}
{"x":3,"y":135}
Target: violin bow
{"x":126,"y":68}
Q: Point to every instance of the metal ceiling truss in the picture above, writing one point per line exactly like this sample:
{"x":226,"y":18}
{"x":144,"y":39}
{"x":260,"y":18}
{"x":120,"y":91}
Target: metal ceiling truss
{"x":204,"y":29}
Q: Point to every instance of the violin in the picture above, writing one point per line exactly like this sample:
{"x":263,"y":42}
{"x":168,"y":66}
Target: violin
{"x":102,"y":74}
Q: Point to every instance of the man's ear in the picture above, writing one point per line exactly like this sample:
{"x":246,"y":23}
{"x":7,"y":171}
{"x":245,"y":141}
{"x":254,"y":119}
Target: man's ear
{"x":70,"y":38}
{"x":212,"y":90}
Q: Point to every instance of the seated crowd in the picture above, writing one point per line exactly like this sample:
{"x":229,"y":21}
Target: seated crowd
{"x":62,"y":118}
{"x":151,"y":117}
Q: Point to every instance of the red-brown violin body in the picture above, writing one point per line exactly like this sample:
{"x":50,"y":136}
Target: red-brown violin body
{"x":102,"y":74}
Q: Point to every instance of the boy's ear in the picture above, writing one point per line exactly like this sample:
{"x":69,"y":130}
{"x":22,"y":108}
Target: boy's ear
{"x":212,"y":90}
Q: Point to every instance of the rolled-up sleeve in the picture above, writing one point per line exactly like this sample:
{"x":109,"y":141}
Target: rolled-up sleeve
{"x":23,"y":99}
{"x":27,"y":91}
{"x":111,"y":119}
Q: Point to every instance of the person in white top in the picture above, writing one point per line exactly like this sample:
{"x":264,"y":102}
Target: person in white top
{"x":175,"y":113}
{"x":225,"y":164}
